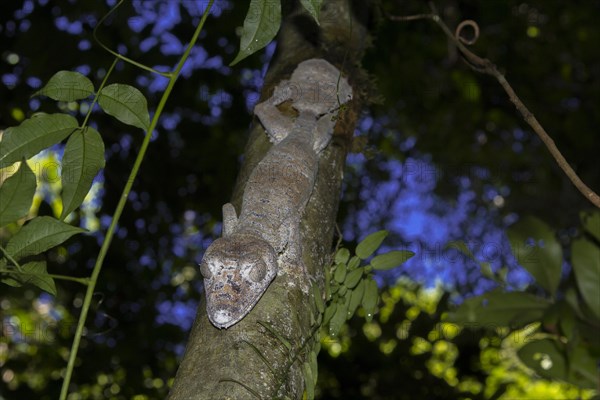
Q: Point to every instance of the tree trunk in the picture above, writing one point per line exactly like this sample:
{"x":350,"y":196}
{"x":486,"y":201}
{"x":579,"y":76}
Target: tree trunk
{"x":249,"y":361}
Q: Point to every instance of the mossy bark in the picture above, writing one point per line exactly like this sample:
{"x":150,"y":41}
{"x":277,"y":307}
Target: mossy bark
{"x":248,"y":361}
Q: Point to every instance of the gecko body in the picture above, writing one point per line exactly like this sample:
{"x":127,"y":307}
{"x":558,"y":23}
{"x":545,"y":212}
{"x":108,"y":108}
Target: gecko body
{"x":238,"y":267}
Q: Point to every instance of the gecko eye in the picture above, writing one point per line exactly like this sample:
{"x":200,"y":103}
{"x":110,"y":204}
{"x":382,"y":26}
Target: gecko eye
{"x":205,"y":271}
{"x":256,"y":272}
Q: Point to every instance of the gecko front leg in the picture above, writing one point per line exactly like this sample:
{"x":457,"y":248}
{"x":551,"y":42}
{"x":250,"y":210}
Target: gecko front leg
{"x":277,"y":125}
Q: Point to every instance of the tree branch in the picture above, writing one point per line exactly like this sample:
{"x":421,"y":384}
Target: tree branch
{"x":262,"y":356}
{"x":485,"y":66}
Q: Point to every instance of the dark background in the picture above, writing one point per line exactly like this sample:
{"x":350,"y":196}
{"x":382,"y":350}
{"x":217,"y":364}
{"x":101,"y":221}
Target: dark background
{"x":447,"y":158}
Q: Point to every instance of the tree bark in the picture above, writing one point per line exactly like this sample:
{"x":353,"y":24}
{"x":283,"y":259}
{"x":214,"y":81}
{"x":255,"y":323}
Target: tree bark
{"x":249,"y":361}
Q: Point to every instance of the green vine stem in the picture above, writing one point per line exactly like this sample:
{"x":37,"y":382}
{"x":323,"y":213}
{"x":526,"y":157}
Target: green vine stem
{"x":120,"y":56}
{"x":121,"y":205}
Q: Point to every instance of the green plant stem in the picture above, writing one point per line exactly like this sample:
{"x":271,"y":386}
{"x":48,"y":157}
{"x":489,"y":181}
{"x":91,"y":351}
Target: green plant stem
{"x":83,"y":281}
{"x":121,"y":205}
{"x":110,"y":70}
{"x":12,"y":260}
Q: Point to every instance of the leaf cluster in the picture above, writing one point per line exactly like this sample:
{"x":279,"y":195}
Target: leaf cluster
{"x":349,"y":284}
{"x":82,"y":160}
{"x":565,"y":345}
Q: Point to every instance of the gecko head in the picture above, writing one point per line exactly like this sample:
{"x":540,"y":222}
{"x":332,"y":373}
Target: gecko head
{"x":318,"y":88}
{"x":237,"y":271}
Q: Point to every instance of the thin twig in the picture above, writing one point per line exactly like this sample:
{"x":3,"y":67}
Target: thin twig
{"x":411,"y":17}
{"x":484,"y":65}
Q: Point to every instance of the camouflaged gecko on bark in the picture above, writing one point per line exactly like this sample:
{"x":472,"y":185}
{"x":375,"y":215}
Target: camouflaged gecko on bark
{"x":238,"y":267}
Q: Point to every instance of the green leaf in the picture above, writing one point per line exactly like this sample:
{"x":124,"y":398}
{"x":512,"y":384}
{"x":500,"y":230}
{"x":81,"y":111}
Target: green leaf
{"x":327,"y":288}
{"x":354,"y":262}
{"x":566,"y":321}
{"x":352,"y":278}
{"x":390,"y":260}
{"x":486,"y":270}
{"x":313,"y":7}
{"x":342,"y":256}
{"x":369,"y":244}
{"x":572,"y":300}
{"x":329,"y":313}
{"x":309,"y":382}
{"x":43,"y":280}
{"x":34,"y":273}
{"x":551,"y":316}
{"x":318,"y":299}
{"x":10,"y":281}
{"x":83,"y":158}
{"x":542,"y":262}
{"x":317,"y":344}
{"x":462,"y":247}
{"x":260,"y":27}
{"x":356,"y":297}
{"x":591,"y":223}
{"x":340,"y":273}
{"x":338,"y":319}
{"x":314,"y":365}
{"x":370,"y":298}
{"x":502,"y":273}
{"x":39,"y":235}
{"x":582,"y":367}
{"x":16,"y":195}
{"x":34,"y":135}
{"x":67,"y":86}
{"x":9,"y":278}
{"x":497,"y":308}
{"x":545,"y":358}
{"x":586,"y":264}
{"x":125,"y":103}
